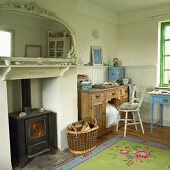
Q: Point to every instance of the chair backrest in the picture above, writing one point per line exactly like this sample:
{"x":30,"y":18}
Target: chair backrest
{"x":138,"y":95}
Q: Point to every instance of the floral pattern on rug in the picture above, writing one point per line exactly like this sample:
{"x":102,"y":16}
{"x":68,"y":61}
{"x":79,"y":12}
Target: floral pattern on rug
{"x":132,"y":154}
{"x":123,"y":153}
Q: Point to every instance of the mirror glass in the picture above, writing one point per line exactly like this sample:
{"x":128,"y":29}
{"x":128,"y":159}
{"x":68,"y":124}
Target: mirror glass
{"x":36,"y":36}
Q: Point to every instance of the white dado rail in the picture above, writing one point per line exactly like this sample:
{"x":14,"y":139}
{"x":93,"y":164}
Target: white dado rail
{"x":32,"y":71}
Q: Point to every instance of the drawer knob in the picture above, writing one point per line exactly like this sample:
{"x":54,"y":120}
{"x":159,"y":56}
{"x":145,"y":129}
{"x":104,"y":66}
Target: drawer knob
{"x":113,"y":94}
{"x":165,"y":100}
{"x":97,"y":95}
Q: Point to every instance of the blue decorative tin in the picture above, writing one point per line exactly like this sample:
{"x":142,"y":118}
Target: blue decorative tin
{"x":116,"y":73}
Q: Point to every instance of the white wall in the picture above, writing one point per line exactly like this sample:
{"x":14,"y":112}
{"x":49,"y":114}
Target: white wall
{"x":138,"y":50}
{"x":96,"y":74}
{"x":83,"y":19}
{"x":137,"y":46}
{"x":14,"y":95}
{"x":5,"y":159}
{"x":60,"y":96}
{"x":143,"y":75}
{"x":138,"y":43}
{"x":27,"y":30}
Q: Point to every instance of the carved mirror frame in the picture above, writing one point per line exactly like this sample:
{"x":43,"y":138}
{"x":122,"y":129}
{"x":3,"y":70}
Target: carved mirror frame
{"x":35,"y":9}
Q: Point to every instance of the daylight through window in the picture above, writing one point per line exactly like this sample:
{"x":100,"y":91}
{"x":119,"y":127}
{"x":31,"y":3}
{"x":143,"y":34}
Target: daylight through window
{"x":5,"y":41}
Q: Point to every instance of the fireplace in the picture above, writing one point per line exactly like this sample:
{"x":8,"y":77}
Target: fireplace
{"x":30,"y":135}
{"x":54,"y":85}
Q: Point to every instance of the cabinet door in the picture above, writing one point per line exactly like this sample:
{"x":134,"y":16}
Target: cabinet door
{"x":51,"y":49}
{"x":59,"y":48}
{"x":99,"y":113}
{"x":116,"y":73}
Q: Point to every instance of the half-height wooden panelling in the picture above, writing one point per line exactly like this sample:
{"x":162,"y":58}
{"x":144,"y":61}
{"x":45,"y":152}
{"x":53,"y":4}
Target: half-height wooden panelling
{"x":97,"y":74}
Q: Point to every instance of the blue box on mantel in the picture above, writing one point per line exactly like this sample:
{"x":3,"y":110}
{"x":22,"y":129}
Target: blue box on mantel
{"x":116,"y":73}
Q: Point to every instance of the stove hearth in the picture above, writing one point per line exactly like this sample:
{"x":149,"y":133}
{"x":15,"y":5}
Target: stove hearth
{"x":30,"y":135}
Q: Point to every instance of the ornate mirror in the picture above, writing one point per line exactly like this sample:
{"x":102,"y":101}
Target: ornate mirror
{"x":35,"y":32}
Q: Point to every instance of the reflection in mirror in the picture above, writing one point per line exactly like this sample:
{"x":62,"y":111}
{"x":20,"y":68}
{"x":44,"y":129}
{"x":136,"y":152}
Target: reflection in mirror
{"x":34,"y":26}
{"x":6,"y":41}
{"x":30,"y":30}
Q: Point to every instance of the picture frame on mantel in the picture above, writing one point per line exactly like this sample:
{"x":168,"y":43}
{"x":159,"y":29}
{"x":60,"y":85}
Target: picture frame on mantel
{"x":33,"y":50}
{"x":96,"y":55}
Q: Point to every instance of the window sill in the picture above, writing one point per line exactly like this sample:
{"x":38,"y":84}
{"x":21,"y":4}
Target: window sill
{"x":163,"y":88}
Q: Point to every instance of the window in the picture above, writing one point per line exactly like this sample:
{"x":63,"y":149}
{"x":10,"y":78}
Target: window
{"x":165,"y":54}
{"x":6,"y":43}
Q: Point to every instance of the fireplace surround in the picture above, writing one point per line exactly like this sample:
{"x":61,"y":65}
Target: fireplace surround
{"x":58,"y":87}
{"x":53,"y":90}
{"x":30,"y":135}
{"x":58,"y":94}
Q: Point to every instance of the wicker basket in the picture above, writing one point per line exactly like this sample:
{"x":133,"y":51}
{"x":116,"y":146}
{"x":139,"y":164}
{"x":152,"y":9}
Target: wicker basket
{"x":82,"y":142}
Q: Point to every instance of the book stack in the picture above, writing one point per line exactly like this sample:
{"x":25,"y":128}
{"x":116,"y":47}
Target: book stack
{"x":83,"y":82}
{"x":86,"y":85}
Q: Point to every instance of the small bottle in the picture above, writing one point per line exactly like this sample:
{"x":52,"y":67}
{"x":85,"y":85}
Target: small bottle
{"x":115,"y":62}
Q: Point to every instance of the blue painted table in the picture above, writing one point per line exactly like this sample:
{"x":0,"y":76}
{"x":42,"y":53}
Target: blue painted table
{"x":161,"y":99}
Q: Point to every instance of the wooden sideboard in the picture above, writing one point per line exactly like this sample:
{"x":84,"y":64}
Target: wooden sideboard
{"x":92,"y":103}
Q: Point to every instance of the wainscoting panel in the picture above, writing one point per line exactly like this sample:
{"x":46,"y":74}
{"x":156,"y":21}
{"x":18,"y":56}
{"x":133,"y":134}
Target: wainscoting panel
{"x":142,"y":75}
{"x":147,"y":76}
{"x":97,"y":74}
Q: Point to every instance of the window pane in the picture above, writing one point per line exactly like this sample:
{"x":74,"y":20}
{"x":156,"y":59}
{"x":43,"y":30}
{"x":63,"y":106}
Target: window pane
{"x":167,"y":32}
{"x":167,"y":62}
{"x":167,"y":77}
{"x":167,"y":47}
{"x":5,"y":41}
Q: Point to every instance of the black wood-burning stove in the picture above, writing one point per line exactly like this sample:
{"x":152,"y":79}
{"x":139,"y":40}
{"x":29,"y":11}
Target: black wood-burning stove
{"x":30,"y":135}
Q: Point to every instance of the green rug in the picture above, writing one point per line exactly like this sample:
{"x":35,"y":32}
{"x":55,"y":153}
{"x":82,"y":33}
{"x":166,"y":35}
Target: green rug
{"x":125,"y":153}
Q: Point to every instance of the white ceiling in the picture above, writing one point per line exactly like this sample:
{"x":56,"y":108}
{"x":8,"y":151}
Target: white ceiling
{"x":122,"y":6}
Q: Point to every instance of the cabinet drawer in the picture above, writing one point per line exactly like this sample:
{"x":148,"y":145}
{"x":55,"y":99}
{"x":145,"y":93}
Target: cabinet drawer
{"x":161,"y":100}
{"x":124,"y":91}
{"x":97,"y":96}
{"x":112,"y":94}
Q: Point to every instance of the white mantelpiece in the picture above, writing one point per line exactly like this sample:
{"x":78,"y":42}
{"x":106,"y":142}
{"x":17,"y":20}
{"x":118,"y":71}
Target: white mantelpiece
{"x":5,"y":159}
{"x":59,"y":94}
{"x":59,"y":82}
{"x":14,"y":72}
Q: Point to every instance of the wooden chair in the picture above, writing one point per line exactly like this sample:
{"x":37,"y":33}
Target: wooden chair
{"x":134,"y":108}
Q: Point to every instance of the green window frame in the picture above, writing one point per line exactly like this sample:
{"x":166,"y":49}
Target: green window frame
{"x":164,"y":56}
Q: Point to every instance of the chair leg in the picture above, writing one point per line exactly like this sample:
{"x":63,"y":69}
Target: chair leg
{"x":141,"y":124}
{"x":125,"y":126}
{"x":134,"y":119}
{"x":117,"y":124}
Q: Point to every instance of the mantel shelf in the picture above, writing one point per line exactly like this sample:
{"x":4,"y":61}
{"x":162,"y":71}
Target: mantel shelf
{"x":14,"y":72}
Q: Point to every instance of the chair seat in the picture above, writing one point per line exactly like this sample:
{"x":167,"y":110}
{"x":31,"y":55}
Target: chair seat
{"x":128,"y":110}
{"x":128,"y":106}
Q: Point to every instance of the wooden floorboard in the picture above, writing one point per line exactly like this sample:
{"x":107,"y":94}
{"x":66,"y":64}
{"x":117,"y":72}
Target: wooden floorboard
{"x":160,"y":134}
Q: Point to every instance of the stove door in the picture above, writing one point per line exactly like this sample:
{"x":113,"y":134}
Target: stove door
{"x":37,"y":129}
